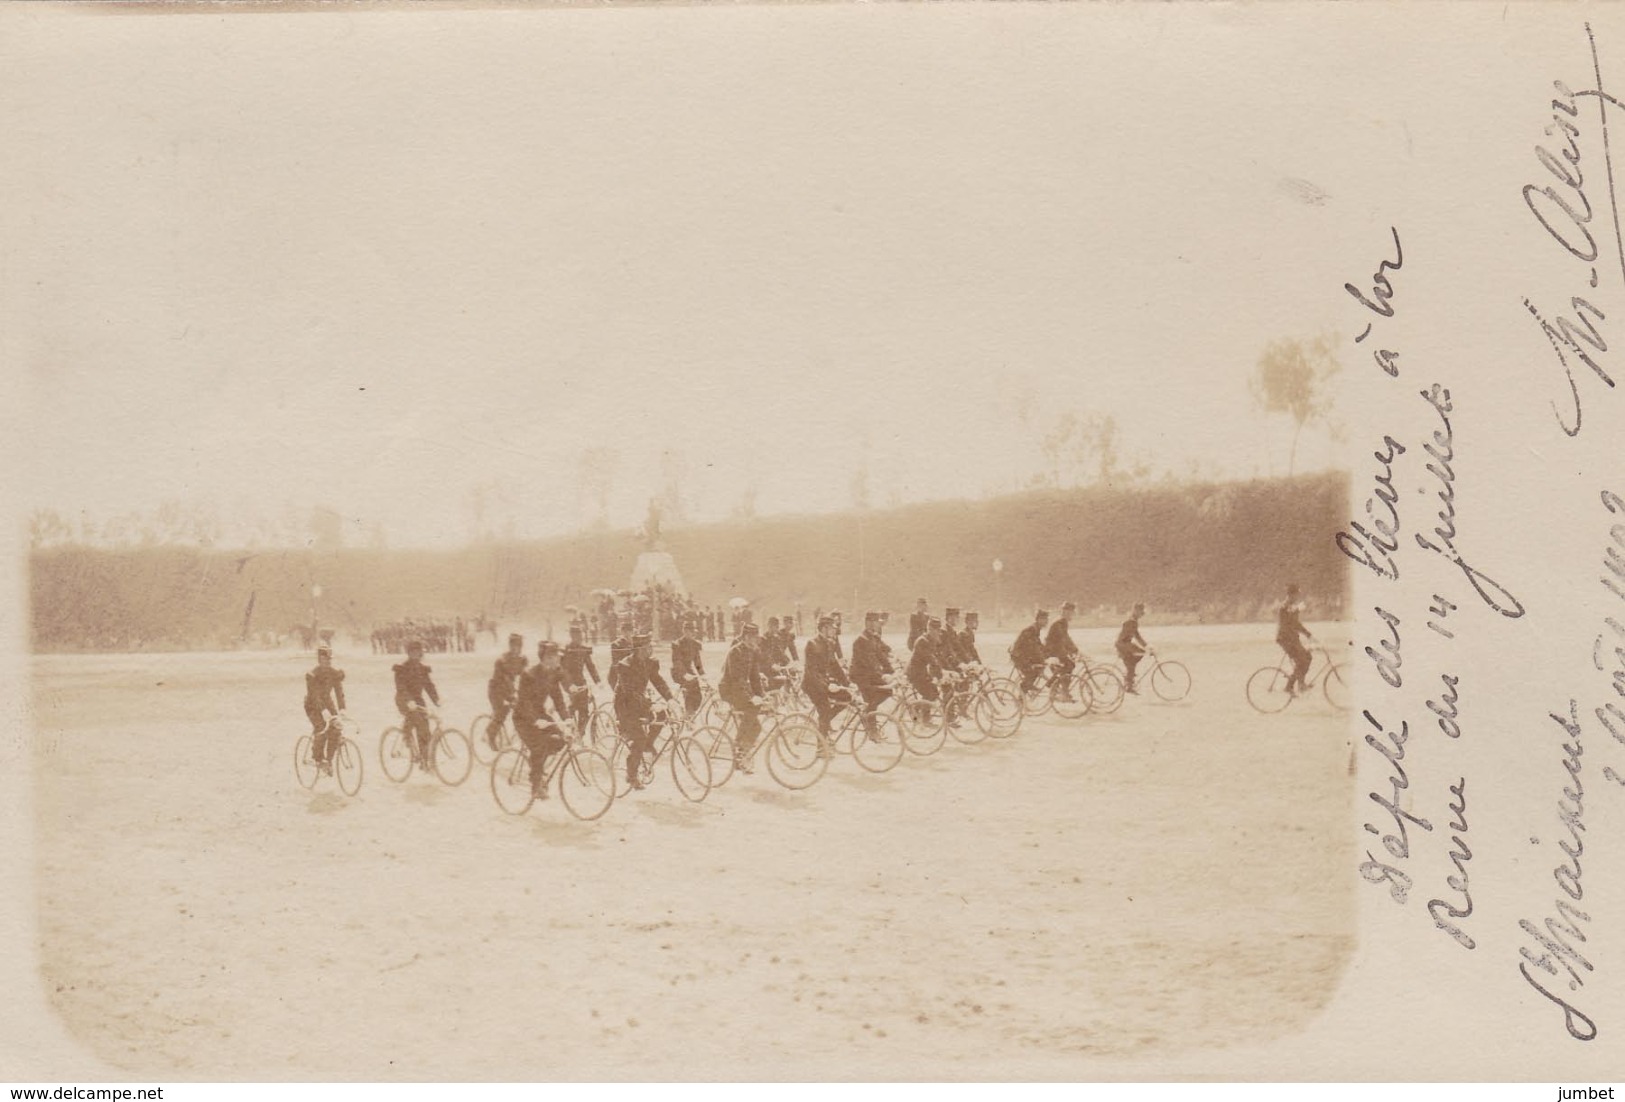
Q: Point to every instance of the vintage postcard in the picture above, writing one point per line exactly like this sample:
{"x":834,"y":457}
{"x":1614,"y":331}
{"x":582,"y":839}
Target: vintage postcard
{"x":817,"y":542}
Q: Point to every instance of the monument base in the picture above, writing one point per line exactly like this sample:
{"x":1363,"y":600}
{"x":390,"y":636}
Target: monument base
{"x":657,"y":568}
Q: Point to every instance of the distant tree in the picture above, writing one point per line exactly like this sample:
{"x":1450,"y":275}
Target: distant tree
{"x":46,"y":528}
{"x":745,"y":507}
{"x":1294,"y":377}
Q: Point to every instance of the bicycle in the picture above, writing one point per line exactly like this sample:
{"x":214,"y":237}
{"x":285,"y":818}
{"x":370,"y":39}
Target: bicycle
{"x":586,"y":780}
{"x":1170,"y":681}
{"x":687,"y":759}
{"x":448,"y":754}
{"x":796,"y":752}
{"x":343,"y":761}
{"x":878,"y":750}
{"x":1266,"y":688}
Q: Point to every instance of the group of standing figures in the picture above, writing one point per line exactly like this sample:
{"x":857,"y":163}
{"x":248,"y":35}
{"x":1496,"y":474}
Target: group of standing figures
{"x":796,"y":711}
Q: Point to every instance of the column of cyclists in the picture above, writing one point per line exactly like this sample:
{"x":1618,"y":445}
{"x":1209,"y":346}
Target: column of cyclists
{"x":547,"y":735}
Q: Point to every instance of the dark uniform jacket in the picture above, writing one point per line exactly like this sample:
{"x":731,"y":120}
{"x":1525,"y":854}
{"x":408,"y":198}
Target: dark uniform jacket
{"x":686,"y":659}
{"x":619,"y":649}
{"x":967,"y":647}
{"x":1290,"y":625}
{"x":577,"y":665}
{"x":1129,"y":638}
{"x":917,"y":623}
{"x":823,"y":666}
{"x":871,"y":661}
{"x":741,"y":676}
{"x":1058,"y":643}
{"x":505,"y":675}
{"x":324,"y":688}
{"x":539,"y":688}
{"x":412,"y":683}
{"x":925,"y":663}
{"x":949,"y":653}
{"x":632,"y":676}
{"x":1028,"y":649}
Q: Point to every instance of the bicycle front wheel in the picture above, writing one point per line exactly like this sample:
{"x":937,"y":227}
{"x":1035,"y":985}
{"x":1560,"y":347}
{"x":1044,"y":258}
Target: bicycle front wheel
{"x":452,"y":758}
{"x":1338,"y":694}
{"x":1071,"y":697}
{"x":510,"y":781}
{"x":395,"y":754}
{"x":998,"y":710}
{"x":719,"y":750}
{"x":347,"y":767}
{"x":586,"y":783}
{"x":1266,"y":690}
{"x":1105,"y":689}
{"x":1171,"y":681}
{"x":880,"y":750}
{"x":690,"y":769}
{"x":925,"y":727}
{"x":304,"y":762}
{"x":797,"y":753}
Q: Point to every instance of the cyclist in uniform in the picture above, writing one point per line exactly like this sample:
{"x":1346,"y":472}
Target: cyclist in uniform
{"x":688,"y":666}
{"x":741,"y":688}
{"x":412,"y":684}
{"x":1027,"y":652}
{"x":632,"y":678}
{"x":871,"y":666}
{"x":504,"y":684}
{"x":1289,"y":633}
{"x":538,"y":710}
{"x":577,"y":666}
{"x":1131,"y":647}
{"x":1058,"y":645}
{"x":823,"y":679}
{"x":324,"y":698}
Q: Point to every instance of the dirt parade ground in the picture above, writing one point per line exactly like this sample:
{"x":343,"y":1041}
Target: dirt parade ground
{"x":1166,"y":881}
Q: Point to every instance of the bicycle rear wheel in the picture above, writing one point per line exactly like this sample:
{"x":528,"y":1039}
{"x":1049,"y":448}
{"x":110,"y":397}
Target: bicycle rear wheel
{"x":1171,"y":681}
{"x":964,"y":728}
{"x":1338,"y":694}
{"x":797,"y":753}
{"x":453,"y":760}
{"x":1266,"y":690}
{"x":347,"y":766}
{"x":602,"y":732}
{"x":690,"y":768}
{"x":1105,"y":689}
{"x":395,"y":754}
{"x":586,"y":783}
{"x":1036,"y":700}
{"x":304,"y":762}
{"x":484,"y":740}
{"x":510,"y":781}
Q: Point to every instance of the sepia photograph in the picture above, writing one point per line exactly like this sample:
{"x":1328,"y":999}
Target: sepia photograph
{"x":711,"y":542}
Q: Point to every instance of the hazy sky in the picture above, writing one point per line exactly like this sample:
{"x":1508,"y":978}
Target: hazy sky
{"x":375,"y":260}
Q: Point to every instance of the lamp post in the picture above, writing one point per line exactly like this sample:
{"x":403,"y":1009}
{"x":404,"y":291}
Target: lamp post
{"x":998,"y":607}
{"x":315,"y":616}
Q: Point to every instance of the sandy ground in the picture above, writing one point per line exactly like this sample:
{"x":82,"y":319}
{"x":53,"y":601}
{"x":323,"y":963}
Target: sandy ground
{"x":1168,"y":880}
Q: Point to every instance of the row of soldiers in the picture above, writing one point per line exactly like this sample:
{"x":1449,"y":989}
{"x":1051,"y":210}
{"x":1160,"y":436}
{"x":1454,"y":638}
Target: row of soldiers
{"x":435,"y":635}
